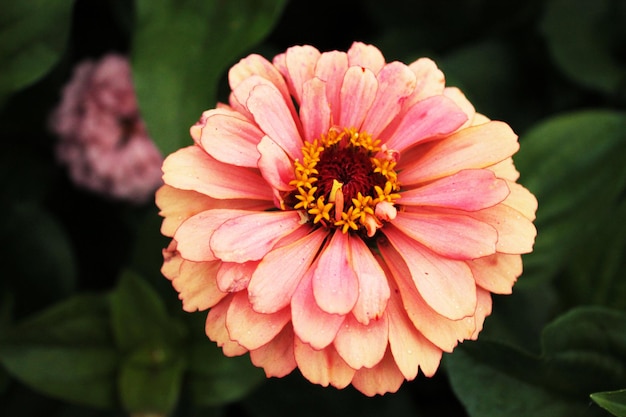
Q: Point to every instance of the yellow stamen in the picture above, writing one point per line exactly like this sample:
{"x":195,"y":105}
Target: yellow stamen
{"x":321,"y":210}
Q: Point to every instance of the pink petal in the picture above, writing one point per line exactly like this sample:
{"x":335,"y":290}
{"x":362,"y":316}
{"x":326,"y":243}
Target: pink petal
{"x":275,"y":165}
{"x":384,"y":377}
{"x":462,"y":102}
{"x":231,"y":140}
{"x":300,"y":61}
{"x":497,"y":273}
{"x":239,"y":95}
{"x":257,"y":65}
{"x":357,"y":95}
{"x":473,"y":147}
{"x":234,"y":277}
{"x":366,"y":56}
{"x":248,"y":237}
{"x":195,"y":233}
{"x":314,"y":110}
{"x":216,"y":331}
{"x":441,"y":331}
{"x":335,"y":284}
{"x":410,"y":349}
{"x":373,"y":285}
{"x":270,"y":291}
{"x":276,"y":357}
{"x":469,"y":190}
{"x":430,"y":80}
{"x":430,"y":118}
{"x":451,"y":235}
{"x":249,"y":328}
{"x":331,"y":68}
{"x":311,"y":324}
{"x":192,"y":169}
{"x":322,"y":367}
{"x":196,"y":285}
{"x":516,"y":233}
{"x":445,"y":284}
{"x":272,"y":114}
{"x":362,"y":345}
{"x":395,"y":82}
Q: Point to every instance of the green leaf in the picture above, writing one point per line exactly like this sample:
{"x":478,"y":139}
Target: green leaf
{"x":613,"y":401}
{"x":66,"y":352}
{"x":33,"y":34}
{"x":180,"y":51}
{"x":583,"y":351}
{"x":573,"y":163}
{"x":579,"y":38}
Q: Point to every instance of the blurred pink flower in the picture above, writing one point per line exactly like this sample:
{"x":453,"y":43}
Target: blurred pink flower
{"x":102,"y":138}
{"x":345,"y":216}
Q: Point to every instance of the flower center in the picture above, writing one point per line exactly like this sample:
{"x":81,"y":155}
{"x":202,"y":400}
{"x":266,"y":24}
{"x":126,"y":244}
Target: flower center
{"x":345,"y":180}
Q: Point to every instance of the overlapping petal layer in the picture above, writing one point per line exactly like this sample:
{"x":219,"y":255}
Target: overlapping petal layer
{"x":344,"y":216}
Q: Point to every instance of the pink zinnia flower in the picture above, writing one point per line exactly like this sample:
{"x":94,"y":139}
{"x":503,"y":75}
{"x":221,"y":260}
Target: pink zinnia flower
{"x":345,"y":216}
{"x":103,"y":139}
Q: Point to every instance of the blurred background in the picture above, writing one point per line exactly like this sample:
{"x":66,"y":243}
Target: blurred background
{"x":88,"y":325}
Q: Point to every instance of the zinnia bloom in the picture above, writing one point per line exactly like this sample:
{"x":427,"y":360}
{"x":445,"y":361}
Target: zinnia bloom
{"x":102,"y":138}
{"x":345,"y":216}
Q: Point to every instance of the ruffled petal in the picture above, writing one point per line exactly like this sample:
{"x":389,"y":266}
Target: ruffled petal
{"x":516,"y":233}
{"x":468,"y":190}
{"x":248,"y":237}
{"x":483,"y":309}
{"x":275,"y":165}
{"x":521,"y":200}
{"x":270,"y":291}
{"x":450,"y":235}
{"x":395,"y":82}
{"x":366,"y":56}
{"x":300,"y":64}
{"x":196,"y":285}
{"x":331,"y":68}
{"x":277,"y":356}
{"x":310,"y":323}
{"x":383,"y":378}
{"x":430,"y":118}
{"x":257,"y":65}
{"x":357,"y":95}
{"x":249,"y":328}
{"x":335,"y":284}
{"x":216,"y":331}
{"x":373,"y":285}
{"x":497,"y":273}
{"x":353,"y":336}
{"x":473,"y":147}
{"x":446,"y":285}
{"x":231,"y":140}
{"x":324,"y":367}
{"x":314,"y":109}
{"x":234,"y":277}
{"x":193,"y":169}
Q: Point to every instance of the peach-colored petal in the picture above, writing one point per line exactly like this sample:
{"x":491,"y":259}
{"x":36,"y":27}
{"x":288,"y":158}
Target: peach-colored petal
{"x":300,"y":64}
{"x":410,"y":349}
{"x":233,"y":277}
{"x":430,"y":80}
{"x":516,"y":233}
{"x":441,"y":331}
{"x":505,"y":170}
{"x":521,"y":200}
{"x":192,"y":169}
{"x":171,"y":261}
{"x":384,"y":377}
{"x":314,"y":109}
{"x":231,"y":140}
{"x":195,"y":233}
{"x":249,"y":328}
{"x":335,"y":284}
{"x":497,"y":273}
{"x":311,"y":324}
{"x":468,"y":190}
{"x":277,"y":356}
{"x":216,"y":331}
{"x":483,"y":309}
{"x":430,"y":118}
{"x":366,"y":56}
{"x":196,"y":285}
{"x":331,"y":68}
{"x":446,"y":285}
{"x":353,"y":336}
{"x":275,"y":165}
{"x":450,"y":235}
{"x":395,"y":82}
{"x":357,"y":95}
{"x":473,"y":147}
{"x":272,"y":114}
{"x":270,"y":291}
{"x":462,"y":102}
{"x":233,"y":242}
{"x":324,"y":367}
{"x":373,"y":285}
